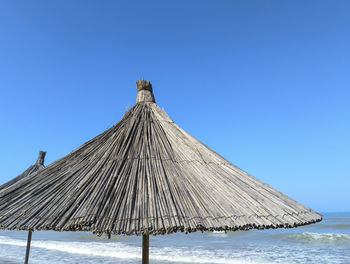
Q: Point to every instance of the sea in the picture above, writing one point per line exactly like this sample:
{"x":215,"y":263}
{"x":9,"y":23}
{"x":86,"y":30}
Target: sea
{"x":324,"y":242}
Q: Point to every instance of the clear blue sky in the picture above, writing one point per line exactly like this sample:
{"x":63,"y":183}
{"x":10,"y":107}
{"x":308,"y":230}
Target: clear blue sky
{"x":264,"y":83}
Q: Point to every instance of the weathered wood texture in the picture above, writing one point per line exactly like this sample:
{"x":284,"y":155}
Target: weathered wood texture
{"x":144,"y":91}
{"x":29,"y":240}
{"x":146,"y":175}
{"x":145,"y":249}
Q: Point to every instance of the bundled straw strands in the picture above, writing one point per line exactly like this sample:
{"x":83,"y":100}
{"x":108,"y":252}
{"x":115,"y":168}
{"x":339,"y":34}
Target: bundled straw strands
{"x":146,"y":175}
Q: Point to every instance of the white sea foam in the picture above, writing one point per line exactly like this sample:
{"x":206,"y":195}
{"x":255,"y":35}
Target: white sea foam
{"x":314,"y":248}
{"x":326,"y":242}
{"x":124,"y":251}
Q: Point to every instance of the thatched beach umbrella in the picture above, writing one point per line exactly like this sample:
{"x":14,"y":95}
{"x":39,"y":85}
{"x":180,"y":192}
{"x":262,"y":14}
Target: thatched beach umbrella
{"x":39,"y":164}
{"x":146,"y":176}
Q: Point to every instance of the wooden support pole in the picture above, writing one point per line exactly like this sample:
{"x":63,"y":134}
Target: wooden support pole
{"x":41,"y":157}
{"x":28,"y":247}
{"x":145,"y":249}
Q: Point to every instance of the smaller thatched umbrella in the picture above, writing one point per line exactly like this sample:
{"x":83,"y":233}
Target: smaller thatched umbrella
{"x":39,"y":164}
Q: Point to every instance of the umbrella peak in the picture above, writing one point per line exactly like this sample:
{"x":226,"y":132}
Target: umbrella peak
{"x":41,"y":158}
{"x":144,"y":91}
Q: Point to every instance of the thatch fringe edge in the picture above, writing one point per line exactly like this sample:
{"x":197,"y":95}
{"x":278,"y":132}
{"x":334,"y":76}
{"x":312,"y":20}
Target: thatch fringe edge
{"x":163,"y":231}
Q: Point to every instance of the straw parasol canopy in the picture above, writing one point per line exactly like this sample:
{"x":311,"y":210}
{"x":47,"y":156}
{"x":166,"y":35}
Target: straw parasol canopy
{"x":39,"y":165}
{"x":146,"y":175}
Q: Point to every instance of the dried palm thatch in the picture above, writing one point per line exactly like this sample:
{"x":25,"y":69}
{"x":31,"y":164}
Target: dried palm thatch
{"x":39,"y":164}
{"x":146,"y":175}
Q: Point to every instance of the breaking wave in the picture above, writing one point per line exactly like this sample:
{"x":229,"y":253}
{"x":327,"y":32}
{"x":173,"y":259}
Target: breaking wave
{"x":319,"y":237}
